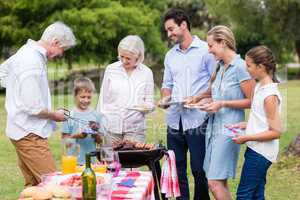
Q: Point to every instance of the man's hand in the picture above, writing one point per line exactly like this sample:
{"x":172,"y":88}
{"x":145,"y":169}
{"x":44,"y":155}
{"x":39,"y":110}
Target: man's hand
{"x":58,"y":116}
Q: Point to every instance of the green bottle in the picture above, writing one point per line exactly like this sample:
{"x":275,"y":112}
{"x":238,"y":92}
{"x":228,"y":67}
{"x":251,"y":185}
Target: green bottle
{"x":88,"y":178}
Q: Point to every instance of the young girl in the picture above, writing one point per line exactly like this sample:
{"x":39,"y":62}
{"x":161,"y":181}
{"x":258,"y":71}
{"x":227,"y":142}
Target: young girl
{"x":264,"y":126}
{"x":83,"y":90}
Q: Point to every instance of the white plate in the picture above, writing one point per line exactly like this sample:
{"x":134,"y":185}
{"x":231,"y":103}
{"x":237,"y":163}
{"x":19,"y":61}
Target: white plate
{"x":172,"y":103}
{"x":193,"y":106}
{"x":141,"y":109}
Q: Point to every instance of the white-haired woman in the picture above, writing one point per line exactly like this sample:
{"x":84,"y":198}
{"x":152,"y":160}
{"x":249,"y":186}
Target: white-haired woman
{"x":127,"y":93}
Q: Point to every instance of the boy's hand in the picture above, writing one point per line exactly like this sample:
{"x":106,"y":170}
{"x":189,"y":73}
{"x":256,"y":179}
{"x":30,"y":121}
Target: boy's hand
{"x":81,"y":135}
{"x":97,"y":138}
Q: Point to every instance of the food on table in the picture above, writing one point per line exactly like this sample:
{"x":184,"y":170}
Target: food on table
{"x":100,"y":168}
{"x":131,"y":145}
{"x":42,"y":193}
{"x":28,"y":192}
{"x":61,"y":193}
{"x":75,"y":180}
{"x":72,"y":181}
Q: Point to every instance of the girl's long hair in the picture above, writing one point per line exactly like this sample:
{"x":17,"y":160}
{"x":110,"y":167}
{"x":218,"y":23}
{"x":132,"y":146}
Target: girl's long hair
{"x":264,"y":56}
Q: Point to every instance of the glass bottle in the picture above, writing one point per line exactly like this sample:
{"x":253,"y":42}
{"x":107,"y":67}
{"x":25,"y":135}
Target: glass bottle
{"x":88,"y":178}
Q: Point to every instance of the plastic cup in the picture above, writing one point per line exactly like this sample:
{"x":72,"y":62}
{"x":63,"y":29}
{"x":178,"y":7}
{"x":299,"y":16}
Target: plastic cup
{"x":69,"y":164}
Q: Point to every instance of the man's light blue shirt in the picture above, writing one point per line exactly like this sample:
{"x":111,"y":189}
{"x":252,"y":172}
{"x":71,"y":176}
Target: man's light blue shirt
{"x":187,"y":73}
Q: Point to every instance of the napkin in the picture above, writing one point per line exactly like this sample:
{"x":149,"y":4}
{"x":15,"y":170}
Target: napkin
{"x":129,"y":182}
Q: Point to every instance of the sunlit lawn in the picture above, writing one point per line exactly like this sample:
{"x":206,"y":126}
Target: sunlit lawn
{"x":283,"y":179}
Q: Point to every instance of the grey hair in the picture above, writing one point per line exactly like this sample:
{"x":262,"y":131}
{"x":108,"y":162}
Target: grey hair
{"x":133,"y":44}
{"x":61,"y":32}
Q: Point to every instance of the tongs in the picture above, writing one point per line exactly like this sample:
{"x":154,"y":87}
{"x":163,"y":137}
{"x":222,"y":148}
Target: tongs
{"x":92,"y":124}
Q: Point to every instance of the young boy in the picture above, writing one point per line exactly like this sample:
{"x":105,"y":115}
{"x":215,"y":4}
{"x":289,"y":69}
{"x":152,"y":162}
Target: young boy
{"x":78,"y":129}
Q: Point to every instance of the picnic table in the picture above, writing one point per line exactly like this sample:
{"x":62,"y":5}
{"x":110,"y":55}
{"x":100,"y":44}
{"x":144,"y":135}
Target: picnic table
{"x":128,"y":185}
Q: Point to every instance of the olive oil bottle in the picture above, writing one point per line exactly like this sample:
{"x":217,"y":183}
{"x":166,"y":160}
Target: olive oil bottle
{"x":89,"y":182}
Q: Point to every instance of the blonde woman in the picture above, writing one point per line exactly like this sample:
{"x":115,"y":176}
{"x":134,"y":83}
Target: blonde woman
{"x":231,"y":88}
{"x":126,"y":94}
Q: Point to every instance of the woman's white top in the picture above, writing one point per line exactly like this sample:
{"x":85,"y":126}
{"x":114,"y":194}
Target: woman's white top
{"x":258,"y":121}
{"x":120,"y":92}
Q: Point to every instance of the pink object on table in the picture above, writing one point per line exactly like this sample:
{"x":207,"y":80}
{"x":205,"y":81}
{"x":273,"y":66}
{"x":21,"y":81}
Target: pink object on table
{"x":142,"y":189}
{"x":169,"y":179}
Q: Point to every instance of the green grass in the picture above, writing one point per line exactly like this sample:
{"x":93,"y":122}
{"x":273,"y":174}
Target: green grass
{"x":283,"y":181}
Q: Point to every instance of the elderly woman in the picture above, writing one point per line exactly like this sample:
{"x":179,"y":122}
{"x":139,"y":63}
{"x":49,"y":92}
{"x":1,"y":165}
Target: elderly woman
{"x":127,"y":93}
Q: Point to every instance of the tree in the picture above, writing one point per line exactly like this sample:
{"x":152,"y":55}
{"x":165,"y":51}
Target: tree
{"x":270,"y":22}
{"x":99,"y":25}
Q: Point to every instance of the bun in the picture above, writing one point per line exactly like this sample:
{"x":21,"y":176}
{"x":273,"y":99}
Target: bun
{"x":42,"y":194}
{"x":61,"y":192}
{"x":28,"y":192}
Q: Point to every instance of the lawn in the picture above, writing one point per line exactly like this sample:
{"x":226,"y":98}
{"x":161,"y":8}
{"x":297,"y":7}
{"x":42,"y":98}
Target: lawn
{"x":283,"y":178}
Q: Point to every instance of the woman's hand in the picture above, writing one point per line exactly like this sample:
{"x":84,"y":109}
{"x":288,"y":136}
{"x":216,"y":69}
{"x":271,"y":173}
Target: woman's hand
{"x":212,"y":107}
{"x":240,"y":139}
{"x":162,"y":102}
{"x":191,"y":100}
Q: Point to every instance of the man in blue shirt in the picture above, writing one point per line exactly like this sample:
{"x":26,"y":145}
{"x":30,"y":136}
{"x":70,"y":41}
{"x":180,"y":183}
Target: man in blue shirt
{"x":188,"y":68}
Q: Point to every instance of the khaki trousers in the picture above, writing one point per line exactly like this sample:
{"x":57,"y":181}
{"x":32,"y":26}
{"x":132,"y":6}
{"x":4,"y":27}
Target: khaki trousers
{"x":34,"y":158}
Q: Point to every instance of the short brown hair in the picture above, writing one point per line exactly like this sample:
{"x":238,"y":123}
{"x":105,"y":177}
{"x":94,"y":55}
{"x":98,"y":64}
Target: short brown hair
{"x":83,"y":84}
{"x":178,"y":16}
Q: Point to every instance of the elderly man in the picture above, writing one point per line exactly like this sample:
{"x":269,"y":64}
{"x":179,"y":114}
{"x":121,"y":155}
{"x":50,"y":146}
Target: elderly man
{"x":28,"y":101}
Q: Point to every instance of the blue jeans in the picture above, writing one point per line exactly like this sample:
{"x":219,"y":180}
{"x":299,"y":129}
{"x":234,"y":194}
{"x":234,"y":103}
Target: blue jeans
{"x":253,"y":178}
{"x":193,"y":140}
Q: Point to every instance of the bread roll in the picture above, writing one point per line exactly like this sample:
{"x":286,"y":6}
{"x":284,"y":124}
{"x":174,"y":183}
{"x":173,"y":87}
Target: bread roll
{"x":42,"y":194}
{"x":61,"y":192}
{"x":28,"y":192}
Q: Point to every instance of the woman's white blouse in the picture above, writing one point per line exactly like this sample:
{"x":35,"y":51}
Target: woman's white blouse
{"x":120,"y":92}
